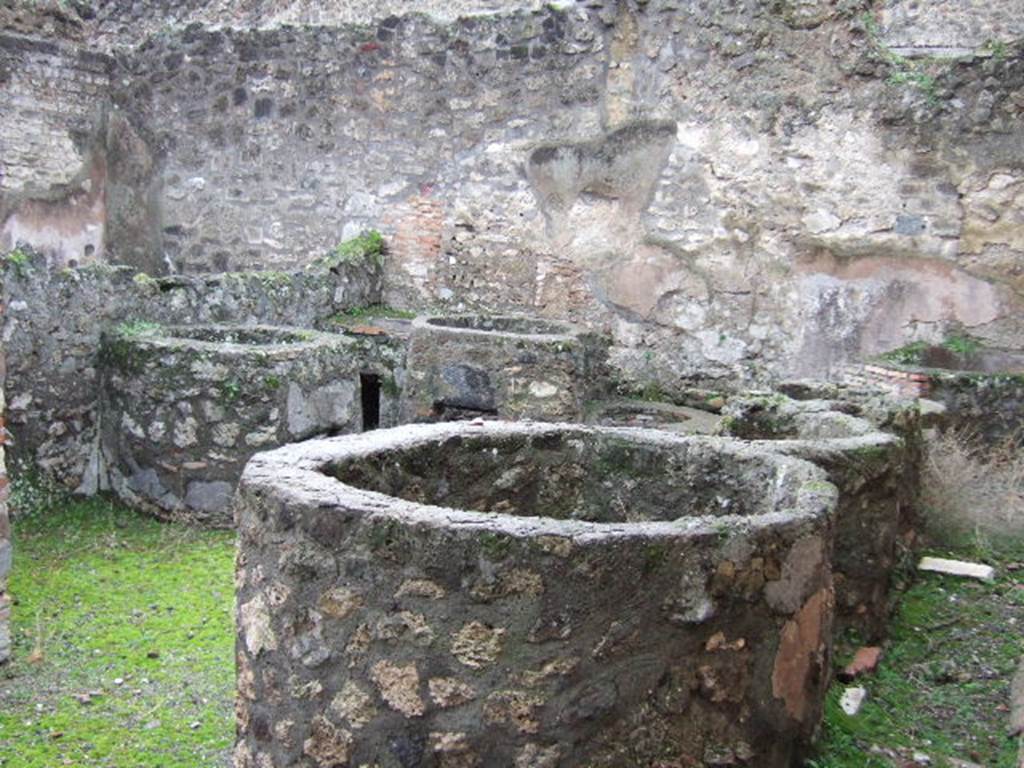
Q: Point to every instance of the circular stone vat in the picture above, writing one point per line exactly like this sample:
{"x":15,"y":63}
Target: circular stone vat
{"x":877,"y":474}
{"x":531,"y":594}
{"x":183,"y":408}
{"x":500,"y":367}
{"x":649,"y":414}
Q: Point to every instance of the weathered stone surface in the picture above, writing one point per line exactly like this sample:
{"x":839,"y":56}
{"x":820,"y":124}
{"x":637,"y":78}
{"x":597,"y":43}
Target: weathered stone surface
{"x":339,"y":603}
{"x":52,"y":342}
{"x":399,"y":687}
{"x":505,"y":367}
{"x":254,"y":624}
{"x":477,"y":645}
{"x":449,"y":692}
{"x":354,"y":705}
{"x":209,"y":381}
{"x":870,"y":445}
{"x":424,"y":588}
{"x":803,"y":656}
{"x":328,"y":744}
{"x":628,"y":165}
{"x":484,"y":634}
{"x":209,"y":497}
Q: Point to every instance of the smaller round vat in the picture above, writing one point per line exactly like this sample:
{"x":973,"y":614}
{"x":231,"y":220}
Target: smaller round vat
{"x":517,"y":326}
{"x":648,"y":414}
{"x":184,"y":407}
{"x":504,"y":594}
{"x":876,"y":473}
{"x":503,"y":367}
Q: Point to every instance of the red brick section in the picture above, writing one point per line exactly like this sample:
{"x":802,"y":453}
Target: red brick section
{"x":904,"y":383}
{"x":415,"y":246}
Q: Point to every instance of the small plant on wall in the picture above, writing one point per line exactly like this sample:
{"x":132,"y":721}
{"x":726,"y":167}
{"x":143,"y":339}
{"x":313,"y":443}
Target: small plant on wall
{"x":18,"y":260}
{"x":367,"y":248}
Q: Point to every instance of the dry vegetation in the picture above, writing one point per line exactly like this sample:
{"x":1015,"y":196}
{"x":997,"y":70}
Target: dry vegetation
{"x":970,"y":491}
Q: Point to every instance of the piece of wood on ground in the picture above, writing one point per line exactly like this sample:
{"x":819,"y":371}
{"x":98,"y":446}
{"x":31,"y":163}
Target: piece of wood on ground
{"x":957,"y":568}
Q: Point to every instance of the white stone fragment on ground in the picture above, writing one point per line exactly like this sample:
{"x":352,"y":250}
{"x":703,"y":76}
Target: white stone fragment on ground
{"x":852,"y":700}
{"x":957,"y":568}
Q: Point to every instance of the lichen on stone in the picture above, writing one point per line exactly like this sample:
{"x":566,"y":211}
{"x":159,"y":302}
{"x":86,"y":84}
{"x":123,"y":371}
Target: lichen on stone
{"x":398,"y":685}
{"x":477,"y":645}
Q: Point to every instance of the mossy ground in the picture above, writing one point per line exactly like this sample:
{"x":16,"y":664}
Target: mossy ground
{"x":943,"y":686}
{"x":137,"y":616}
{"x":109,"y":595}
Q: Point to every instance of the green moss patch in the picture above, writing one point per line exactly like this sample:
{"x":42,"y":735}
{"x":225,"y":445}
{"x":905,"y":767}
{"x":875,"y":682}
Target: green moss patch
{"x":943,"y":685}
{"x":123,"y":642}
{"x":367,"y":249}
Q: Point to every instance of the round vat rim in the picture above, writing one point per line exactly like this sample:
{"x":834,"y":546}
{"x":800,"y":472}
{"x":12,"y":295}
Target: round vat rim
{"x":167,"y":340}
{"x":295,"y":476}
{"x":819,"y":446}
{"x":570,"y":332}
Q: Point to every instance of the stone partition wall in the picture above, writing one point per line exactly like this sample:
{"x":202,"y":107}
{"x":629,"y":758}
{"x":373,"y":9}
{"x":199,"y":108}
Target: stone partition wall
{"x":984,"y":405}
{"x":534,"y":595}
{"x":183,"y":408}
{"x":55,"y":317}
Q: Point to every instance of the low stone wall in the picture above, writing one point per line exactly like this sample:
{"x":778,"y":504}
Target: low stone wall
{"x":501,"y":367}
{"x":378,"y":628}
{"x":52,"y":330}
{"x":986,"y":405}
{"x":183,"y":408}
{"x":877,"y":476}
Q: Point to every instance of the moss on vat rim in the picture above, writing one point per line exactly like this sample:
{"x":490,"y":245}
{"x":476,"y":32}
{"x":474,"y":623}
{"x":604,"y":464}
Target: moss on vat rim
{"x":176,"y":338}
{"x":559,"y":331}
{"x":297,"y":477}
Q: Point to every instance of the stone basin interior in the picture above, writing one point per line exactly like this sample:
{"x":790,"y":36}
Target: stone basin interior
{"x":244,"y":336}
{"x":526,"y":326}
{"x":580,"y":476}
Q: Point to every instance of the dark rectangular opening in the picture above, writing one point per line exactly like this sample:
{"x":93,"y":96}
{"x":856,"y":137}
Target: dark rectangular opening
{"x":369,"y":393}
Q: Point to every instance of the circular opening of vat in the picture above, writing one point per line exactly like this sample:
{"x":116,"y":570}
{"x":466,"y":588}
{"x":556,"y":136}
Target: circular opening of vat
{"x":239,"y":335}
{"x":587,"y":475}
{"x":526,"y":326}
